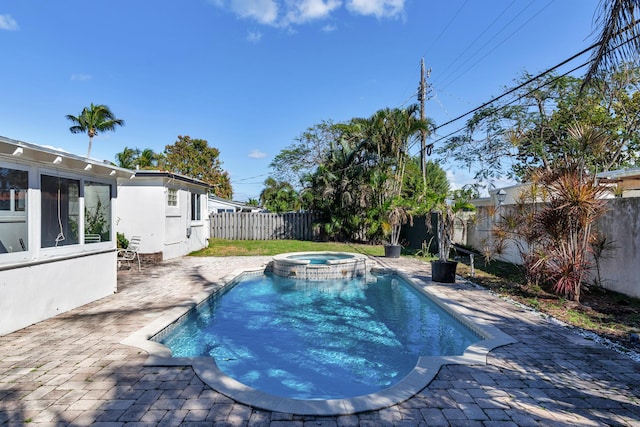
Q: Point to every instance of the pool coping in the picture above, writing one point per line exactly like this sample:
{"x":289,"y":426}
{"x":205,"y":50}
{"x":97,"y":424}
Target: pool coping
{"x":422,"y":374}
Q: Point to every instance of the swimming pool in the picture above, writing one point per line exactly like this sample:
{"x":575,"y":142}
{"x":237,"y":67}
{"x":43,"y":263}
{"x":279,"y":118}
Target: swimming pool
{"x":319,"y":340}
{"x":419,"y":377}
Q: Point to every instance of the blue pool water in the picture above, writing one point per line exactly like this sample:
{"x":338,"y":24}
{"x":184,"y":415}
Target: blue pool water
{"x":321,"y":258}
{"x":318,"y":340}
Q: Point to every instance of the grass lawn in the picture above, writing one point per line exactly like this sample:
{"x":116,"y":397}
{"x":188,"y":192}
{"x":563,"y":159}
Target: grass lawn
{"x":220,"y":247}
{"x":606,"y":313}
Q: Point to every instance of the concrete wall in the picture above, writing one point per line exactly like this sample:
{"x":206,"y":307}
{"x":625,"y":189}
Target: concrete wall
{"x":620,"y":268}
{"x":37,"y":291}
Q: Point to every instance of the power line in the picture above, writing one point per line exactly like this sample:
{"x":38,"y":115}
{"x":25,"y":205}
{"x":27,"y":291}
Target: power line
{"x":520,"y":86}
{"x":512,"y":101}
{"x":498,"y":45}
{"x":479,"y":36}
{"x":504,"y":27}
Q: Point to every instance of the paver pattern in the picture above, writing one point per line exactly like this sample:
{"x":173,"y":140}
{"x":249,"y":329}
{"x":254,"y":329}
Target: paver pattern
{"x":73,"y":370}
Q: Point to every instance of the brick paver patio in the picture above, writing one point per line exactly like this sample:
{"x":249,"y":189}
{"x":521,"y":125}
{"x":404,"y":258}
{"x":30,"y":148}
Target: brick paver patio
{"x":73,"y":370}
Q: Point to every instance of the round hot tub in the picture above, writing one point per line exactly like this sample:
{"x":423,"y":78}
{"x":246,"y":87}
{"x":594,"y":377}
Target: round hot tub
{"x":320,"y":265}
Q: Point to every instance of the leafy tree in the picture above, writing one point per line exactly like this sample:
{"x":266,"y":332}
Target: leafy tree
{"x":132,"y":158}
{"x":194,"y":158}
{"x":297,"y":161}
{"x":436,"y":179}
{"x":127,"y":158}
{"x":279,"y":196}
{"x":92,"y":120}
{"x":359,"y":187}
{"x":253,"y":202}
{"x":148,"y":159}
{"x":513,"y":140}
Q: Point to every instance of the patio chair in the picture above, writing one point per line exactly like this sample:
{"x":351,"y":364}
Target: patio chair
{"x":131,"y":252}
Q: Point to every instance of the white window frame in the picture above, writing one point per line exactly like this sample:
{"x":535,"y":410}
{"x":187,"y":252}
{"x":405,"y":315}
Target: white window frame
{"x":26,"y":215}
{"x":197,"y":199}
{"x":172,"y":198}
{"x":80,"y":247}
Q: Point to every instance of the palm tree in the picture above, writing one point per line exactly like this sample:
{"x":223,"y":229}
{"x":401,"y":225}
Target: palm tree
{"x":147,"y":159}
{"x":94,"y":119}
{"x":618,"y":36}
{"x":127,"y":158}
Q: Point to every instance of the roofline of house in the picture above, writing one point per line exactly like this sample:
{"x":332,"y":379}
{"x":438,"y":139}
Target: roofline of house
{"x":12,"y":148}
{"x":621,"y":173}
{"x":171,"y":175}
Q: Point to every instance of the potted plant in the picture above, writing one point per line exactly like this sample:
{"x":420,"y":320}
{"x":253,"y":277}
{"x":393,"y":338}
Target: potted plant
{"x":397,"y":216}
{"x":443,"y":269}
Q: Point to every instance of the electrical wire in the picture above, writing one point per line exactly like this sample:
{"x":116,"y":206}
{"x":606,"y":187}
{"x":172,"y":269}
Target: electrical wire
{"x":477,"y":38}
{"x":504,"y":40}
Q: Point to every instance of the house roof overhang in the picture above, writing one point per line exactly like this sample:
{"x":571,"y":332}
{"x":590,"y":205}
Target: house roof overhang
{"x":170,"y":175}
{"x":24,"y":151}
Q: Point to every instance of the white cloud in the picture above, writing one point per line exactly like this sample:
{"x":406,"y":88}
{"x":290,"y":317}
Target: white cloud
{"x":377,"y":8}
{"x":329,"y":28}
{"x":8,"y":23}
{"x":257,"y":154}
{"x":285,"y":13}
{"x":262,"y":11}
{"x":80,"y":77}
{"x":300,"y":11}
{"x":254,"y":36}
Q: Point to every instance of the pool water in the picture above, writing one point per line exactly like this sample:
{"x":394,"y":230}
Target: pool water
{"x":322,"y":258}
{"x":318,"y":340}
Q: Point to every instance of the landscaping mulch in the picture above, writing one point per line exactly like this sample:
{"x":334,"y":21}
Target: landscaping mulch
{"x":608,"y":314}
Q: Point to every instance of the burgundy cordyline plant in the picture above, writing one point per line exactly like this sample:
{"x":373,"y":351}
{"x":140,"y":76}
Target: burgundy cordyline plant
{"x":551,"y":224}
{"x":566,"y":221}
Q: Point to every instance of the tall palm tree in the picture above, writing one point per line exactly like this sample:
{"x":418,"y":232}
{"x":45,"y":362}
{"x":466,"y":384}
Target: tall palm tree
{"x":127,"y":158}
{"x":618,"y":33}
{"x":94,"y":119}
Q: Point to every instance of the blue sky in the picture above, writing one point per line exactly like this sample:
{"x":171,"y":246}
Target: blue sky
{"x":249,"y":76}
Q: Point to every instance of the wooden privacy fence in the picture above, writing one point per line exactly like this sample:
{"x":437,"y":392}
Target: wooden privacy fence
{"x":263,"y":226}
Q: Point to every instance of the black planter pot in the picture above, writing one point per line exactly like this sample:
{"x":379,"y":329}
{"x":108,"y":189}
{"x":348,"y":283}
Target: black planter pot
{"x":392,"y":251}
{"x":443,"y":271}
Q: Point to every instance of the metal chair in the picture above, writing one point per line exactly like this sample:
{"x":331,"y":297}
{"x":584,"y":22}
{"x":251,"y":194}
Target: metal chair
{"x":131,"y":252}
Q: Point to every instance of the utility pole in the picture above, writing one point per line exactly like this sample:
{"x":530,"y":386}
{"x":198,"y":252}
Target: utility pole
{"x":422,"y":96}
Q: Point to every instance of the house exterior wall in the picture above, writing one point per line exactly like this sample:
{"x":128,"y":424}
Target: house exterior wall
{"x":39,"y":277}
{"x":144,"y":210}
{"x":37,"y":291}
{"x":141,"y":213}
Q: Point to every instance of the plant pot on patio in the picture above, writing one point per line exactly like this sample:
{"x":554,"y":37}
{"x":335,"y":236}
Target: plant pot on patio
{"x":443,"y":271}
{"x":392,"y":251}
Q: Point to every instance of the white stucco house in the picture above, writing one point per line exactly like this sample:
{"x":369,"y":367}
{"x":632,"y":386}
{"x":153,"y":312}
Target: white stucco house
{"x":217,"y":204}
{"x":167,"y":210}
{"x":57,"y":232}
{"x":627,"y":181}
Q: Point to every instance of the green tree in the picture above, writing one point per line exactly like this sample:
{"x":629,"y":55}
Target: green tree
{"x":534,"y":132}
{"x":133,"y":158}
{"x":92,"y":120}
{"x":297,"y":161}
{"x":279,"y":196}
{"x":359,"y":186}
{"x":194,"y":158}
{"x":127,"y":158}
